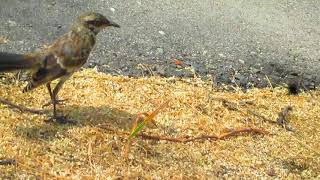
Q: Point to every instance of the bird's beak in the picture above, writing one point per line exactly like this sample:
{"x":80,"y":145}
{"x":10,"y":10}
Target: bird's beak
{"x":111,"y":23}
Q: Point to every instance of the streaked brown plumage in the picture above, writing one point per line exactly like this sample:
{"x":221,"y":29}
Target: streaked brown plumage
{"x":65,"y":56}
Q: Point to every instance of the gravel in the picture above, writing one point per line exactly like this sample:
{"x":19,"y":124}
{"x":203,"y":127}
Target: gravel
{"x":244,"y":43}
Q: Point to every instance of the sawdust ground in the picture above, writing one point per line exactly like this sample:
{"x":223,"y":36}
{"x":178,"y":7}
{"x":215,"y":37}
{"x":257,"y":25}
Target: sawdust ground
{"x":96,"y":101}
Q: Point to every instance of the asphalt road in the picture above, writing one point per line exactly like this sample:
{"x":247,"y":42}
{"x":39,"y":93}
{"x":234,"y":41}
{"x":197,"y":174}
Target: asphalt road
{"x":231,"y":41}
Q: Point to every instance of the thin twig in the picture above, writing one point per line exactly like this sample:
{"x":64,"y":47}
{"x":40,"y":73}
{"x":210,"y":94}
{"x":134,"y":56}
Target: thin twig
{"x":281,"y":120}
{"x":269,"y":82}
{"x":185,"y":139}
{"x":21,"y":108}
{"x":261,"y":117}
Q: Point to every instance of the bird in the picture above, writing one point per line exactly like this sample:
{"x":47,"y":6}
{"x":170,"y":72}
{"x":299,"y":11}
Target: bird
{"x":66,"y":55}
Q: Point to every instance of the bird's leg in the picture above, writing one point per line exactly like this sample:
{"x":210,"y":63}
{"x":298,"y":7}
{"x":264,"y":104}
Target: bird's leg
{"x":54,"y":101}
{"x":54,"y":116}
{"x":53,"y":95}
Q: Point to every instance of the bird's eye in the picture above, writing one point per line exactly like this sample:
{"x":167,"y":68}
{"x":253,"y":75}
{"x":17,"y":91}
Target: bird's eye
{"x":95,"y":22}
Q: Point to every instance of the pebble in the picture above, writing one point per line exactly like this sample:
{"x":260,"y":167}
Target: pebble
{"x":160,"y":70}
{"x":162,"y":33}
{"x":12,"y":23}
{"x":204,"y":52}
{"x":222,"y":55}
{"x":253,"y":53}
{"x":160,"y":51}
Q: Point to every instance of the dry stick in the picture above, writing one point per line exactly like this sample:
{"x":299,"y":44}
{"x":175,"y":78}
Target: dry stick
{"x":185,"y":139}
{"x":233,"y":106}
{"x":281,"y":120}
{"x":178,"y":139}
{"x":204,"y":137}
{"x":270,"y":84}
{"x":234,"y":132}
{"x":21,"y":108}
{"x":261,"y":117}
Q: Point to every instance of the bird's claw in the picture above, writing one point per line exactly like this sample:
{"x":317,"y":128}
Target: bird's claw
{"x":58,"y":102}
{"x":60,"y":120}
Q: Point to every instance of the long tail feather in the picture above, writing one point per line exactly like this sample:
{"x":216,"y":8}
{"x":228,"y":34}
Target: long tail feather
{"x":11,"y":62}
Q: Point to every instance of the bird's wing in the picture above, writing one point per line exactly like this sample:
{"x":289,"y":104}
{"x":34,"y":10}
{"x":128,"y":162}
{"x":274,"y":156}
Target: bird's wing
{"x":65,"y":56}
{"x":45,"y":75}
{"x":73,"y":49}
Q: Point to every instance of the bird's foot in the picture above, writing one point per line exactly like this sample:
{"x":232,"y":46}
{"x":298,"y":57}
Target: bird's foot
{"x":57,"y":101}
{"x":60,"y":120}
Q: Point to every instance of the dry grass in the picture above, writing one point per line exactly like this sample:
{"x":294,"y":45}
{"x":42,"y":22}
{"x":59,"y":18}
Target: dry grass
{"x":99,"y":102}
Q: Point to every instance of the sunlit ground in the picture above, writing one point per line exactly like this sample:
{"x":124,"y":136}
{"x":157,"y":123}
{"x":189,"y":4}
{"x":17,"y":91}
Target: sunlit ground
{"x":105,"y":107}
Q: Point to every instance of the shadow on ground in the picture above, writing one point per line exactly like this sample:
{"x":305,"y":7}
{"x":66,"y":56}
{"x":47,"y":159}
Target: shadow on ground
{"x":83,"y":116}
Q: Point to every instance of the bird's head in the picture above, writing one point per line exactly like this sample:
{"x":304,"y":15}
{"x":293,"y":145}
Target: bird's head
{"x":95,"y":21}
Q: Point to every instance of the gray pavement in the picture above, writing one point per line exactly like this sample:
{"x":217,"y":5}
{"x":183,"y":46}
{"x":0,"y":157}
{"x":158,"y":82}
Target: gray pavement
{"x":233,"y":41}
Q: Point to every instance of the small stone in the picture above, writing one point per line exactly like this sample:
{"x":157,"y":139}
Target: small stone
{"x":271,"y":172}
{"x":112,"y":9}
{"x":241,"y":61}
{"x":222,"y":55}
{"x":160,"y":70}
{"x":253,"y":53}
{"x":29,"y":25}
{"x":162,"y":33}
{"x":255,"y":70}
{"x":160,"y":51}
{"x":204,"y":52}
{"x":197,"y":67}
{"x":3,"y":40}
{"x":306,"y":174}
{"x":12,"y":23}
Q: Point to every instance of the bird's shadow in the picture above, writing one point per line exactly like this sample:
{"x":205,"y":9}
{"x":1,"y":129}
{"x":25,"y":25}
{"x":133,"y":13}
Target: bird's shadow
{"x":102,"y":116}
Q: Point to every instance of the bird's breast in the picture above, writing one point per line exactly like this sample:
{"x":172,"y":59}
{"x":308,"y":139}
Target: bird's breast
{"x":73,"y":50}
